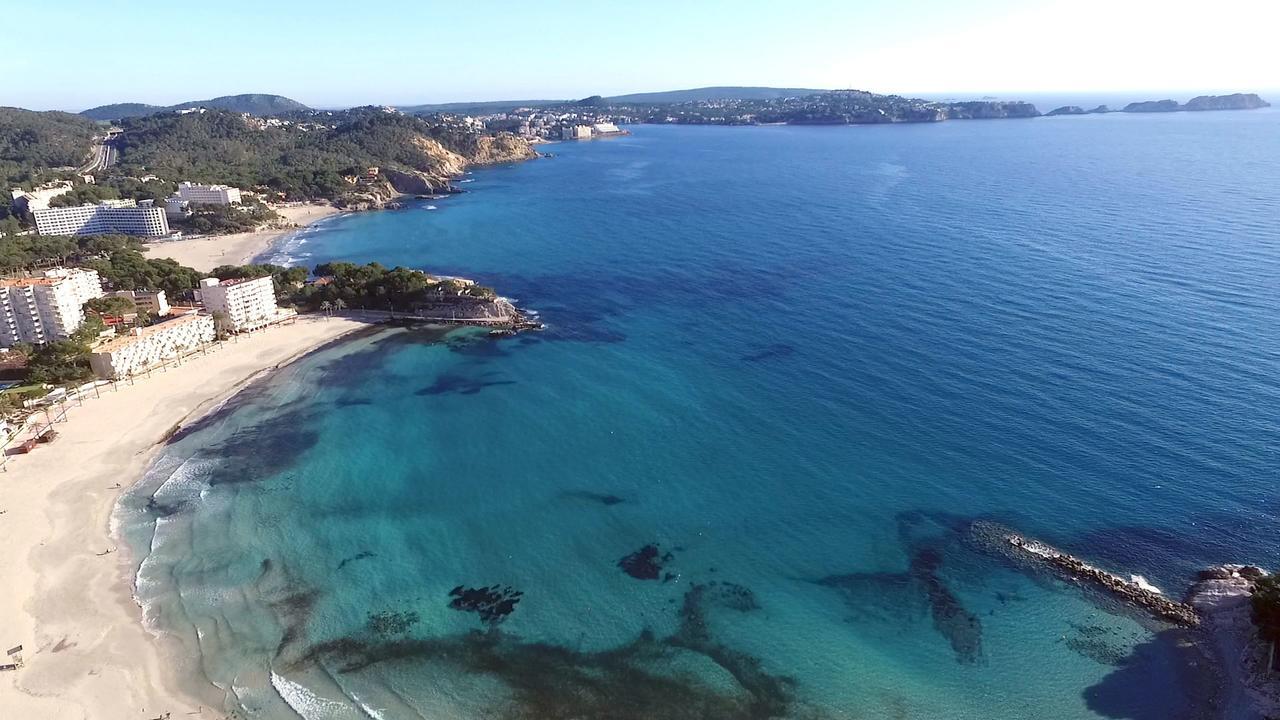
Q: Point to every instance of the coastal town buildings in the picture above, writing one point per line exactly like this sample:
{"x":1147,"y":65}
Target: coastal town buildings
{"x":576,"y":132}
{"x":38,"y":199}
{"x":208,"y":194}
{"x":147,"y":347}
{"x":109,"y":216}
{"x":175,"y":207}
{"x":154,"y":304}
{"x":42,"y":309}
{"x":248,"y":304}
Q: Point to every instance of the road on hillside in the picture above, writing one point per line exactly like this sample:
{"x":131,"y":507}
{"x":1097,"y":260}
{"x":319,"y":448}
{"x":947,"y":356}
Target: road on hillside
{"x":103,"y":156}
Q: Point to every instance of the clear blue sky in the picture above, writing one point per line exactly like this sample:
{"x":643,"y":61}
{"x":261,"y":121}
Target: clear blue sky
{"x":74,"y":54}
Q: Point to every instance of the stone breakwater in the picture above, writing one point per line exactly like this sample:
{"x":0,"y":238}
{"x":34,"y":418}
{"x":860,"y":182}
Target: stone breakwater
{"x":1022,"y":550}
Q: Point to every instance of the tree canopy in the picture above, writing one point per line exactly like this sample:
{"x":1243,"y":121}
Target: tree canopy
{"x":33,"y":142}
{"x":1266,"y":606}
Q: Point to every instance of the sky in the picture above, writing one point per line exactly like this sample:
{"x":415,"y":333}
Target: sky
{"x":75,"y":54}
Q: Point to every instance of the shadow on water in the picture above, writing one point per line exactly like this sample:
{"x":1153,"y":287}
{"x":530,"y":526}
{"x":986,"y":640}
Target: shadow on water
{"x":605,"y":499}
{"x":448,"y":383}
{"x":1165,"y":678}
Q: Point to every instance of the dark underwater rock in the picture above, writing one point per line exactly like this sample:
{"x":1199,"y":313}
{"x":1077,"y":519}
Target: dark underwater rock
{"x":906,"y":596}
{"x":492,"y":604}
{"x":388,"y":622}
{"x":645,"y":563}
{"x":961,"y":628}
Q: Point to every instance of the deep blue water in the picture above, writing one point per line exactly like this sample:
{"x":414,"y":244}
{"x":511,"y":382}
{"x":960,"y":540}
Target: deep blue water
{"x":798,"y":361}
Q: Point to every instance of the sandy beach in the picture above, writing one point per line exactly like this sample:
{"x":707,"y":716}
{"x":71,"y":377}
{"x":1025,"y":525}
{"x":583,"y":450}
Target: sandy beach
{"x":207,"y":253}
{"x":67,"y":585}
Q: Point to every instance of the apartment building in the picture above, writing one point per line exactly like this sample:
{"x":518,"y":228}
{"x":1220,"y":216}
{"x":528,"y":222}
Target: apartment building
{"x":154,"y":304}
{"x":147,"y":347}
{"x":249,"y":304}
{"x":42,"y":309}
{"x":208,"y":194}
{"x":110,"y":216}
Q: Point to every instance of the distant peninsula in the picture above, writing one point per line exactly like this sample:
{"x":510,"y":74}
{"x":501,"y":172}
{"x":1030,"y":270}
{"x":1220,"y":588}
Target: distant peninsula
{"x":1235,"y":101}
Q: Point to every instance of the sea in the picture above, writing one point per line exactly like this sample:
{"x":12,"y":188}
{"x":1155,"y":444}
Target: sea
{"x":784,"y":371}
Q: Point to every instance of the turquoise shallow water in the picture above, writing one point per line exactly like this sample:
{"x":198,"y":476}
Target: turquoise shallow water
{"x":797,"y":362}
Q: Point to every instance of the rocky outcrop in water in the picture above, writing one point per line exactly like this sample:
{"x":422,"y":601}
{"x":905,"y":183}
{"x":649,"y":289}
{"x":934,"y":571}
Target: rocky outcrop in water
{"x":1236,"y":101}
{"x":1152,"y":106}
{"x":1067,"y":110}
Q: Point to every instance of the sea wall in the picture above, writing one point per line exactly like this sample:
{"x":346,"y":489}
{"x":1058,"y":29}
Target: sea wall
{"x":1006,"y":542}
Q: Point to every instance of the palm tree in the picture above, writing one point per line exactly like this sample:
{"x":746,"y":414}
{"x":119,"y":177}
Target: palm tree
{"x":339,"y":304}
{"x":327,"y":307}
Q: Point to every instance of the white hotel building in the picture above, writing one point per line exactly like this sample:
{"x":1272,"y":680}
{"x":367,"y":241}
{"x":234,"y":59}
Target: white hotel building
{"x":249,"y":304}
{"x":208,"y":194}
{"x":147,"y":347}
{"x":111,"y":216}
{"x":43,"y":309}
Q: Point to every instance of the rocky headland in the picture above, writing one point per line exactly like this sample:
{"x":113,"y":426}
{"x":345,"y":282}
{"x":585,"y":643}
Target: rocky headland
{"x":990,"y":110}
{"x":1222,"y":597}
{"x":429,"y":168}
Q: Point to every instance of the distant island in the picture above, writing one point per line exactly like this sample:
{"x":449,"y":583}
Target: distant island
{"x":1235,"y":101}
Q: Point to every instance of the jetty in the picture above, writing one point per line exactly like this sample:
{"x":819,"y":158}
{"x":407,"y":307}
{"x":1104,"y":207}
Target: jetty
{"x":1023,"y":550}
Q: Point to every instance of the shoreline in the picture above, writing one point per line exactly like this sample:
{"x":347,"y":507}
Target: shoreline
{"x":70,"y":602}
{"x":206,"y":253}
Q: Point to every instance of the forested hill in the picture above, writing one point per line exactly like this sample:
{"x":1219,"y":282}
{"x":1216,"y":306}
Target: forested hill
{"x":31,"y":142}
{"x":315,"y":157}
{"x":254,"y":104}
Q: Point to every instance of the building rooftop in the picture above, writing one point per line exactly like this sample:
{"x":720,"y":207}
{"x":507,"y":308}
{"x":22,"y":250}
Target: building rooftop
{"x":27,"y":282}
{"x":236,"y":281}
{"x":139,"y":334}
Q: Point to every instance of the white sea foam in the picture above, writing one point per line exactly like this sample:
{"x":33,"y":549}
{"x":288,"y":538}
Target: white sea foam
{"x":432,"y":207}
{"x":1142,"y":583}
{"x":375,"y":713}
{"x":307,"y":704}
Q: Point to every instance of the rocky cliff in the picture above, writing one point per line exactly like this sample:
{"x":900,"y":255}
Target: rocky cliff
{"x":500,"y":148}
{"x":429,"y":167}
{"x":1067,"y":110}
{"x":1237,"y":101}
{"x":1222,"y":597}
